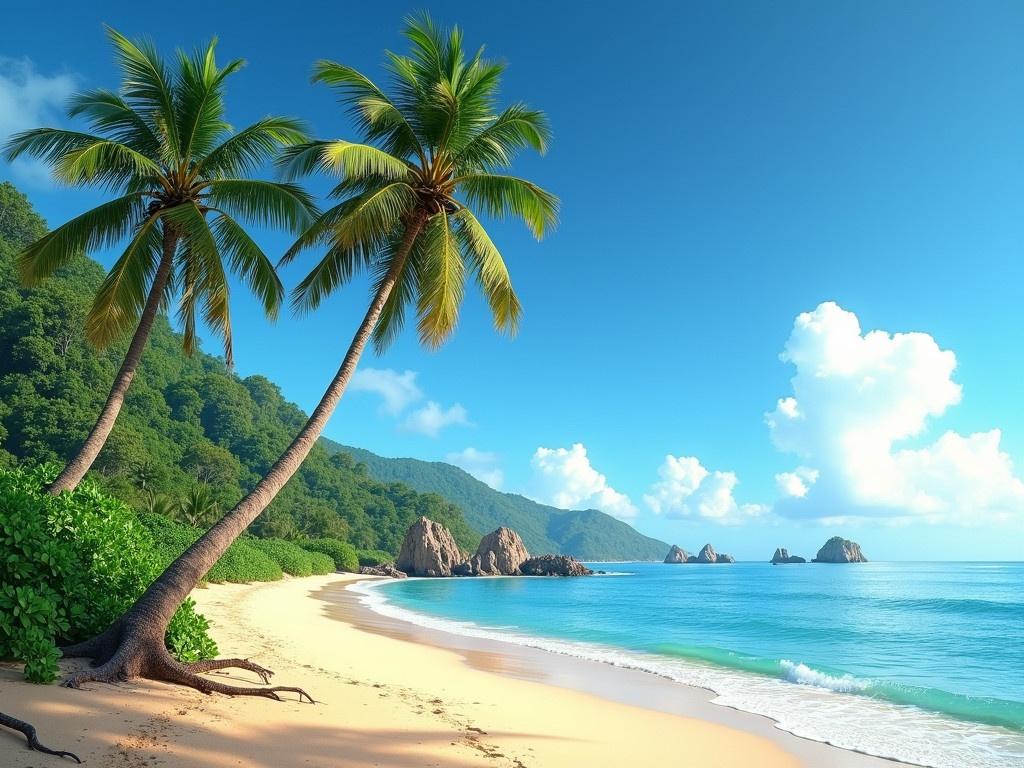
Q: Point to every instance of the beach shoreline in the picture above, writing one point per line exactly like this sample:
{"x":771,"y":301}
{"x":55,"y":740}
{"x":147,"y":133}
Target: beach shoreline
{"x":389,"y":695}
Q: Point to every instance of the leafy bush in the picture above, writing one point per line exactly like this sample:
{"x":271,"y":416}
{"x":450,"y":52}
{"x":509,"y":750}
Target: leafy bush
{"x":375,"y":557}
{"x":322,"y":563}
{"x":341,"y":552}
{"x":69,"y":566}
{"x":293,"y":559}
{"x":241,"y":564}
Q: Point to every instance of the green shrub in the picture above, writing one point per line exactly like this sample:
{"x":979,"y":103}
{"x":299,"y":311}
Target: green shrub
{"x":341,"y":552}
{"x":69,"y":566}
{"x":375,"y":557}
{"x":293,"y":559}
{"x":322,"y":563}
{"x":241,"y":564}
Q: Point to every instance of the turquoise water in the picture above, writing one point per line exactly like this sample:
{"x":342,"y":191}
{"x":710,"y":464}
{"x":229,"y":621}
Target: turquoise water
{"x":922,"y":662}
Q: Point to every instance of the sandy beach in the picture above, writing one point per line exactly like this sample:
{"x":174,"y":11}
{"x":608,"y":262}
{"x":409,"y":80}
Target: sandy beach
{"x":392,"y":695}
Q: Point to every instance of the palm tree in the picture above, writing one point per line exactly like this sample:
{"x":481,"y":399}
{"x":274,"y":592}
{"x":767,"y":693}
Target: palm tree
{"x":198,"y":508}
{"x":179,"y":172}
{"x":432,"y":152}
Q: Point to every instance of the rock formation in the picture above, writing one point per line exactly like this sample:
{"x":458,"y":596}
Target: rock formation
{"x":500,"y":554}
{"x":676,"y":555}
{"x":385,"y":569}
{"x":428,"y":550}
{"x":840,"y":550}
{"x":708,"y":554}
{"x":782,"y":556}
{"x":554,"y":565}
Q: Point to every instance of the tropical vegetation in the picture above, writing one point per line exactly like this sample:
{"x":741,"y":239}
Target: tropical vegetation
{"x":180,"y":175}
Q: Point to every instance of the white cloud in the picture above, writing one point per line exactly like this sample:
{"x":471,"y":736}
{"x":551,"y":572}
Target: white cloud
{"x":432,"y":418}
{"x":565,"y":478}
{"x":856,"y":396}
{"x":30,"y":100}
{"x":481,"y":464}
{"x":685,"y":488}
{"x":796,"y":483}
{"x":398,"y":390}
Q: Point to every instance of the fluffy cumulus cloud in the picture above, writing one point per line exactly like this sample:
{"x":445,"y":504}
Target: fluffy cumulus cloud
{"x":29,"y":100}
{"x":432,"y":418}
{"x":565,"y":478}
{"x":481,"y":464}
{"x":398,"y":391}
{"x":857,"y":399}
{"x":685,"y":489}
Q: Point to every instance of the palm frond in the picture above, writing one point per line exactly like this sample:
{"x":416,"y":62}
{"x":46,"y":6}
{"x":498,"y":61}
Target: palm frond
{"x":502,"y":196}
{"x":208,"y":281}
{"x":488,"y":267}
{"x":518,"y":127}
{"x":249,"y":262}
{"x":268,"y":203}
{"x":147,"y":88}
{"x":199,"y":101}
{"x":377,"y":117}
{"x":122,"y":295}
{"x":403,"y":293}
{"x":103,"y":226}
{"x":107,"y":163}
{"x":441,"y":282}
{"x":108,"y":113}
{"x":355,"y":232}
{"x":252,"y":147}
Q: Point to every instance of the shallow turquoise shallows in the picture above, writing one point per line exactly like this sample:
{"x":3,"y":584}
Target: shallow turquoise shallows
{"x":922,"y":662}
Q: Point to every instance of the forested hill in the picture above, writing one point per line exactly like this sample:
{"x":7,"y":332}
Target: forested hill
{"x":587,"y":534}
{"x":186,"y":421}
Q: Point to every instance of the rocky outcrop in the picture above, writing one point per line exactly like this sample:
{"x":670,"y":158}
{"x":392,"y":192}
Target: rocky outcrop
{"x":500,"y":554}
{"x":676,"y":555}
{"x":554,"y":565}
{"x":428,"y":550}
{"x":708,"y":555}
{"x":840,"y":550}
{"x":385,"y":569}
{"x":782,"y":556}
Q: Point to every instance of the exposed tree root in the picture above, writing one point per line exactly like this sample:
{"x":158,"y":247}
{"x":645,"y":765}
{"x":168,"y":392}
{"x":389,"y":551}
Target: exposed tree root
{"x":118,"y":657}
{"x":211,"y":665}
{"x":30,"y":735}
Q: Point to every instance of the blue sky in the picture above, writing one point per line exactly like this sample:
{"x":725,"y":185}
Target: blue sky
{"x":725,"y":169}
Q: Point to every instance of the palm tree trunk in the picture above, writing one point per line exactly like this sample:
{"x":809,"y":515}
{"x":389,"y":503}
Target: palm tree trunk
{"x":134,"y":645}
{"x":75,"y":469}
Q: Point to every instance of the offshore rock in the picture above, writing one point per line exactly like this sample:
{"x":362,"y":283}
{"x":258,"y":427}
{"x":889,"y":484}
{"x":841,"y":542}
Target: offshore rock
{"x":676,"y":555}
{"x":554,"y":565}
{"x":840,"y":550}
{"x":429,"y":549}
{"x":782,"y":556}
{"x":500,"y":553}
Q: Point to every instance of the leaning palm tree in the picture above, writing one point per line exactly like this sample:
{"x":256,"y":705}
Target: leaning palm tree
{"x":432,"y":152}
{"x":179,"y":172}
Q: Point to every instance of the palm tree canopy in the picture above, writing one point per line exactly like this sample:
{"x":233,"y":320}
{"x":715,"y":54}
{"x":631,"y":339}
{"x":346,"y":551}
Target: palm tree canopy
{"x":433,"y":151}
{"x":162,"y":145}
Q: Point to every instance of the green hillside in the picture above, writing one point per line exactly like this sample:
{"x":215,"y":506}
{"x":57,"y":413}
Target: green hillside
{"x":587,"y":534}
{"x":186,"y":422}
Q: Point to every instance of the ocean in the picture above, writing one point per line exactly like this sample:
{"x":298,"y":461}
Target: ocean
{"x":919,"y":662}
